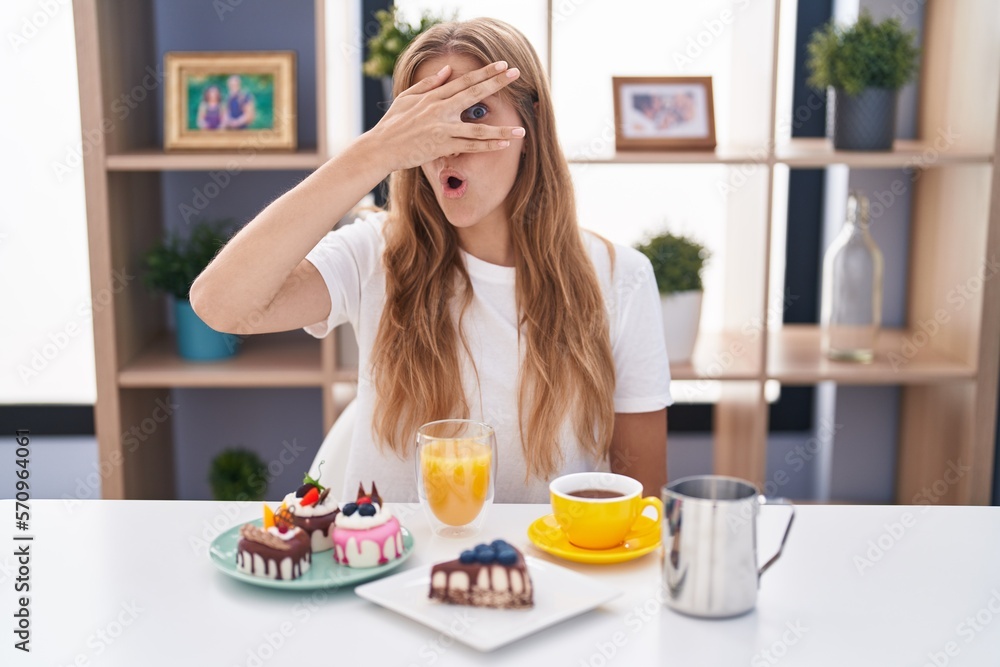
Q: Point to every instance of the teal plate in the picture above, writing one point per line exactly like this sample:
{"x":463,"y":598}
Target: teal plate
{"x":323,"y":573}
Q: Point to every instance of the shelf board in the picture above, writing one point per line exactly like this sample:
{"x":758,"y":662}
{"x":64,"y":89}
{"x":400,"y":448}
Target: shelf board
{"x":804,"y":153}
{"x":795,"y":357}
{"x":284,"y":360}
{"x":905,"y":153}
{"x":287,"y":359}
{"x":158,"y":160}
{"x":725,"y":355}
{"x":720,"y":155}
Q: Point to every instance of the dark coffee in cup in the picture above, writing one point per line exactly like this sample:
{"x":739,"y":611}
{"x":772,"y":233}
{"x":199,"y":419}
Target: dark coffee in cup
{"x":595,"y":493}
{"x":596,"y":510}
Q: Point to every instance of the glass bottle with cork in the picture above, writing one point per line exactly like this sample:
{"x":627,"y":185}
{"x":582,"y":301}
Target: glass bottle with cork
{"x":852,"y":288}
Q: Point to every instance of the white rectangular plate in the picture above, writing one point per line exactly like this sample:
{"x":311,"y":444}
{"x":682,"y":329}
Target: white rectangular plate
{"x":558,"y":594}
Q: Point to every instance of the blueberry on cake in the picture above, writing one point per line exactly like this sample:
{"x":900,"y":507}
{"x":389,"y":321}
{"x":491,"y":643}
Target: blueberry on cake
{"x":365,"y":533}
{"x":314,"y":510}
{"x":490,"y":575}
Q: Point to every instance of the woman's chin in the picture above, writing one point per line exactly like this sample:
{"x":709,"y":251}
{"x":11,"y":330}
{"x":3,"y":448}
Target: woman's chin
{"x":460,"y":219}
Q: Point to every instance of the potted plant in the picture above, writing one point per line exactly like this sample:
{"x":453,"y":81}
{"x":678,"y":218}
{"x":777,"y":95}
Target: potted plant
{"x":385,"y":46}
{"x":677,"y":263}
{"x":238,"y":474}
{"x":171,"y":267}
{"x":865,"y":65}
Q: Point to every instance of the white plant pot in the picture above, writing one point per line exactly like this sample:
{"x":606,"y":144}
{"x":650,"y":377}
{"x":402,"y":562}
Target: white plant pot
{"x":681,"y":315}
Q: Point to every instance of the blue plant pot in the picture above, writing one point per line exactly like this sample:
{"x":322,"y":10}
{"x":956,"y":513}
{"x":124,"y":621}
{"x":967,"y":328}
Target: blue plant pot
{"x":196,"y":341}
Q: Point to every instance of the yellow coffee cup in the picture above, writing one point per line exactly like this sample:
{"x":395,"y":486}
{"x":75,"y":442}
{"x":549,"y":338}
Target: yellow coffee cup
{"x":597,"y":510}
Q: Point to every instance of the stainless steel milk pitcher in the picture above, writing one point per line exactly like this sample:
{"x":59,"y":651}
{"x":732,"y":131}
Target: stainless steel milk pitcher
{"x":710,"y":545}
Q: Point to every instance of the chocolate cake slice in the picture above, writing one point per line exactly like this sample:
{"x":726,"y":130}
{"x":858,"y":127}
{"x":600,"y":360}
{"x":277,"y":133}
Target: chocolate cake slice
{"x":272,"y":552}
{"x":491,"y":575}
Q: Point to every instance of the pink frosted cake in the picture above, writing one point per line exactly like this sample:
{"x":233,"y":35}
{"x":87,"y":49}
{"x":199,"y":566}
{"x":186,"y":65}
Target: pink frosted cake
{"x":365,"y":533}
{"x":313,"y":510}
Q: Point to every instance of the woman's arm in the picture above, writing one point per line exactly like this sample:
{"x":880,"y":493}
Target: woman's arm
{"x":235,"y":292}
{"x":639,"y":448}
{"x":247,"y":283}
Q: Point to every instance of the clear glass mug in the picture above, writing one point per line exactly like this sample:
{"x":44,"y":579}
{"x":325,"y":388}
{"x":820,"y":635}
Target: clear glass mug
{"x":456,"y":465}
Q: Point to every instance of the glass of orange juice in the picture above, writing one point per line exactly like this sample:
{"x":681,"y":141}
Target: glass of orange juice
{"x":456,"y":474}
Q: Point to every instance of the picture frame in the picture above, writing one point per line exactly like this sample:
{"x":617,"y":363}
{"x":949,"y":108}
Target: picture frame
{"x":664,"y":113}
{"x":229,"y":100}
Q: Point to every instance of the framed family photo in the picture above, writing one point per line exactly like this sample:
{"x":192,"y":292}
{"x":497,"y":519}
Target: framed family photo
{"x":228,"y":100}
{"x":664,"y":113}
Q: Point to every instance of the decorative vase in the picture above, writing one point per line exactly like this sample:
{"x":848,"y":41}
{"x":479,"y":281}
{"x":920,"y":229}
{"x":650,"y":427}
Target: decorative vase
{"x":196,"y":341}
{"x":866,"y":121}
{"x":681,"y":315}
{"x":852,"y":288}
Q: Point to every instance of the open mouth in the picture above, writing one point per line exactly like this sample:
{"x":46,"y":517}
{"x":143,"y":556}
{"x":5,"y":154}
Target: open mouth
{"x":453,"y":184}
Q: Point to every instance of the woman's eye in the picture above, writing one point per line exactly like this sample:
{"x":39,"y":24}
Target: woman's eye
{"x":475,"y":112}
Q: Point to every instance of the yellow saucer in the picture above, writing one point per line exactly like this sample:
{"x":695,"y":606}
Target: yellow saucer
{"x":545,"y":534}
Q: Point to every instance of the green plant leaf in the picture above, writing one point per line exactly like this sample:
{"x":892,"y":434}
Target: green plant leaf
{"x":677,"y":262}
{"x":307,"y":479}
{"x":238,"y":474}
{"x":864,"y":55}
{"x":392,"y":39}
{"x":172,"y":265}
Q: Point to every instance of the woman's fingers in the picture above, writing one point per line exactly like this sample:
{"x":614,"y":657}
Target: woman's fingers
{"x":478,"y":84}
{"x":470,"y":79}
{"x":480,"y":91}
{"x":483,"y":131}
{"x":460,"y":145}
{"x":427,"y":124}
{"x":429,"y":83}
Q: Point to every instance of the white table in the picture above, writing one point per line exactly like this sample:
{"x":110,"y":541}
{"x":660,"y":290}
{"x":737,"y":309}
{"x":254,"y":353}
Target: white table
{"x":129,"y":583}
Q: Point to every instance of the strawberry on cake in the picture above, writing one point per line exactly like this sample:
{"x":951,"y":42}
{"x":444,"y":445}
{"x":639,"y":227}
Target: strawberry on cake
{"x":365,"y":532}
{"x":313,"y":510}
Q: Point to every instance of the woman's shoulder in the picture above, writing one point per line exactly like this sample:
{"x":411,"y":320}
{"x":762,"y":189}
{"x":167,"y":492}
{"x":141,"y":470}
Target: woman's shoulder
{"x":372,"y":216}
{"x":359,"y":240}
{"x":365,"y":226}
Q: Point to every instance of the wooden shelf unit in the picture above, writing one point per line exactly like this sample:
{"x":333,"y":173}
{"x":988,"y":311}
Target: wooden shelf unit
{"x":815,"y":153}
{"x":901,"y":358}
{"x":724,"y":355}
{"x":949,"y":379}
{"x":159,"y":160}
{"x":721,"y":155}
{"x":134,"y":352}
{"x":949,"y":384}
{"x":291,"y":359}
{"x":811,"y":154}
{"x":949,"y":371}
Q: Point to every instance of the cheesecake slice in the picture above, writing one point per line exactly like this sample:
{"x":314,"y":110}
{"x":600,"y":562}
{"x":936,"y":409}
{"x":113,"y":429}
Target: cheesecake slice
{"x":490,"y":575}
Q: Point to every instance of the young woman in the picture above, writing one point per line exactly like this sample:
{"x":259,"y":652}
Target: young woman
{"x":211,"y":111}
{"x":475,"y":294}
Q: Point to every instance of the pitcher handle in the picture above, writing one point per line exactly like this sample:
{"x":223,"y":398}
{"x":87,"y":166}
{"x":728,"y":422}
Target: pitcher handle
{"x":788,"y":528}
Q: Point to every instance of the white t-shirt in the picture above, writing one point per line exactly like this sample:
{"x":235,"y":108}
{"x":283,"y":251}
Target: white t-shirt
{"x":350,"y":261}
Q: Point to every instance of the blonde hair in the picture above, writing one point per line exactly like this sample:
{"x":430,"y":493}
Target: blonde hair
{"x":568,"y":368}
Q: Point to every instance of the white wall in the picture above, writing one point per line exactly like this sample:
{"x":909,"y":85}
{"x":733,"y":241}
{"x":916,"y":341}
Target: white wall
{"x":47,"y":350}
